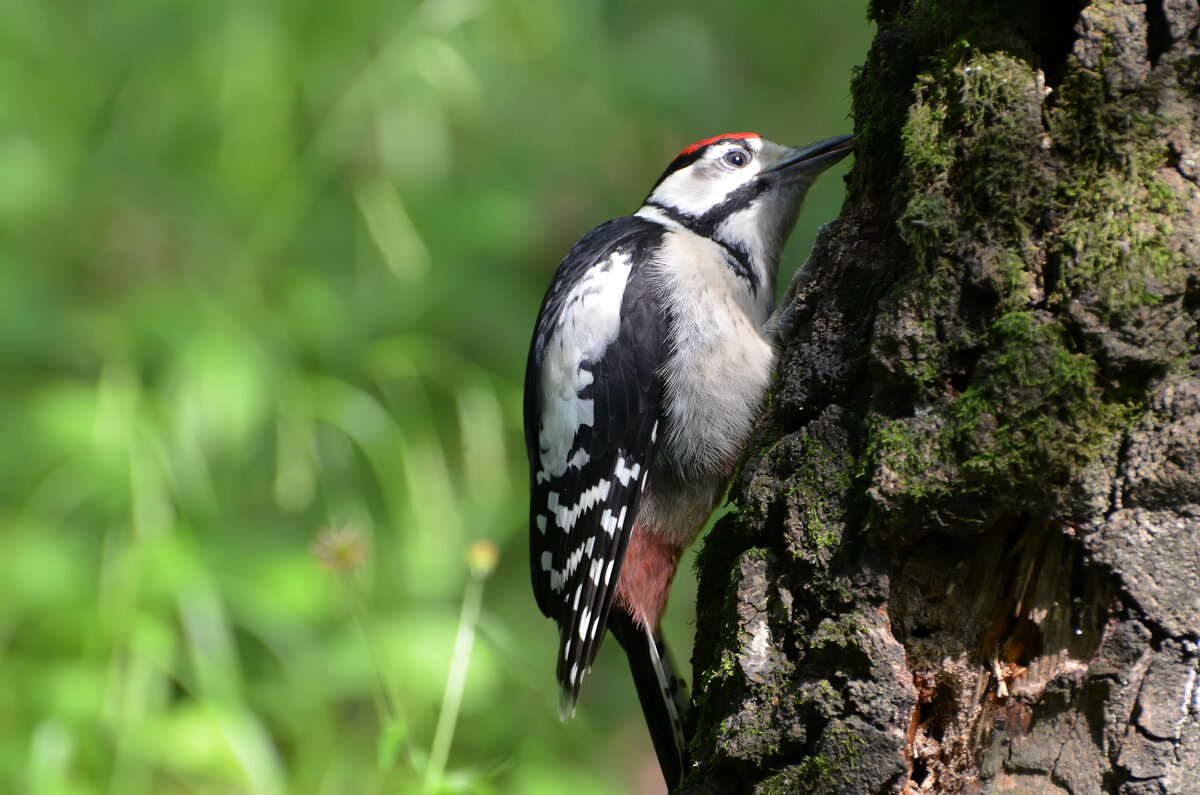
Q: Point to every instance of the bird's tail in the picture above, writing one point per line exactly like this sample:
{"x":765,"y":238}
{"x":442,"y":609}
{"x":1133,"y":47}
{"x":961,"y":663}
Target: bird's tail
{"x":662,"y":691}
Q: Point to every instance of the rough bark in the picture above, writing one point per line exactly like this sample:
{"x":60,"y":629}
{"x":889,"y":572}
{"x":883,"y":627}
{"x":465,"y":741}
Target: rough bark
{"x":967,"y":551}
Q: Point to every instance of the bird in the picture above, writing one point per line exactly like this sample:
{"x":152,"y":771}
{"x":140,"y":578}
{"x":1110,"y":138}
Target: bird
{"x":650,"y":359}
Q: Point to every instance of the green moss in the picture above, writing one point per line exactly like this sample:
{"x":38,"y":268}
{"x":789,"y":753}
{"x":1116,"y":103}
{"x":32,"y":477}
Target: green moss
{"x":939,"y":22}
{"x":1117,"y":217}
{"x":816,"y":478}
{"x":928,"y":224}
{"x":969,"y":195}
{"x":1005,"y":238}
{"x":818,"y":700}
{"x":1116,"y":241}
{"x":1032,"y":415}
{"x":826,"y":770}
{"x":1031,"y":352}
{"x":814,"y":774}
{"x":928,"y":152}
{"x":725,"y":668}
{"x":907,"y":451}
{"x":1035,"y":414}
{"x":749,"y":734}
{"x":842,"y":633}
{"x":967,"y":143}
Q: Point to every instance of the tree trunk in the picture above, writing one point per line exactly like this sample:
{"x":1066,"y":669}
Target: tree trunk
{"x":967,"y":556}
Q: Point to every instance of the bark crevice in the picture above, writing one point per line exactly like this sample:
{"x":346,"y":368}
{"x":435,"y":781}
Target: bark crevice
{"x":1057,"y":38}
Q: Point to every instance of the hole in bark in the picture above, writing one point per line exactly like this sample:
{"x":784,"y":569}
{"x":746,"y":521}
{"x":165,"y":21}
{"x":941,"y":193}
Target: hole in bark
{"x":980,"y":294}
{"x":938,"y":712}
{"x":1052,"y":270}
{"x":922,"y":632}
{"x":1158,"y":34}
{"x":920,"y":771}
{"x":964,"y":362}
{"x":1057,"y":37}
{"x":1029,"y":607}
{"x":1014,"y":634}
{"x":1191,"y":305}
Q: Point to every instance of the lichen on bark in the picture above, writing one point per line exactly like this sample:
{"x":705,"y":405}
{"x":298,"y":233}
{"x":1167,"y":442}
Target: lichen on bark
{"x":968,"y":538}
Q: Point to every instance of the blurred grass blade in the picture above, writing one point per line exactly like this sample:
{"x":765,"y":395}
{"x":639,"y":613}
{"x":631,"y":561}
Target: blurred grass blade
{"x":482,"y":558}
{"x":391,"y":229}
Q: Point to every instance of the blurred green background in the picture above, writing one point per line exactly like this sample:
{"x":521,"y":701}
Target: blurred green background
{"x":268,"y":272}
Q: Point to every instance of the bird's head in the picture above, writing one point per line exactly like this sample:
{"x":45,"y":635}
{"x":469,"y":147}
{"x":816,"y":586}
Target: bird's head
{"x":742,"y":191}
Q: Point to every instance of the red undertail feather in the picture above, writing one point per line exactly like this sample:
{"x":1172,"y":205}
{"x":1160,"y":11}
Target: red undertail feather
{"x":646,"y":575}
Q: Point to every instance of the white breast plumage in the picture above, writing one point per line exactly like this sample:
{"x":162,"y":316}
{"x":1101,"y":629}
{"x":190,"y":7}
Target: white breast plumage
{"x":720,"y":361}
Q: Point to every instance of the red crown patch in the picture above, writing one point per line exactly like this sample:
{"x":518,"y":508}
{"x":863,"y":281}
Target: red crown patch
{"x":701,"y":144}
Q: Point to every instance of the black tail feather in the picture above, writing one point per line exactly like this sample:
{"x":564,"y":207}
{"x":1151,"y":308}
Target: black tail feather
{"x":662,"y":691}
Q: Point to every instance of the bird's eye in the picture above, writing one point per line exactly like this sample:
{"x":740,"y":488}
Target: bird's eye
{"x":737,"y":158}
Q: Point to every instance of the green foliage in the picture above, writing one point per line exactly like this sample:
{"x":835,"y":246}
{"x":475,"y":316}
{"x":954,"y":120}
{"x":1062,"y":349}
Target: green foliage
{"x":267,"y":277}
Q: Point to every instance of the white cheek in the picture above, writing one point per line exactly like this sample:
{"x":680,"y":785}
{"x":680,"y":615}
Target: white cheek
{"x":743,"y":228}
{"x":697,"y":189}
{"x":746,"y":230}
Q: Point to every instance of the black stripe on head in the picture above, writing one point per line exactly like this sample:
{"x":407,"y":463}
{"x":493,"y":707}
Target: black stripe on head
{"x":706,"y":226}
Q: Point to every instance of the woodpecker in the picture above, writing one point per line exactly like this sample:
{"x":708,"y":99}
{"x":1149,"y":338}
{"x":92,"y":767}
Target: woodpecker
{"x":648,"y":365}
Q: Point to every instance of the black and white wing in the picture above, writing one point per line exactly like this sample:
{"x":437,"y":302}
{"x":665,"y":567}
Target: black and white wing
{"x":592,"y":404}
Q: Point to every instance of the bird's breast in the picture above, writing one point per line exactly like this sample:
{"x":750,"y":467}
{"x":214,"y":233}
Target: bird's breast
{"x":720,"y":361}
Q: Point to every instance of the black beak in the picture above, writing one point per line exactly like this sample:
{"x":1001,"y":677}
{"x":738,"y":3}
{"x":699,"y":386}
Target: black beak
{"x":808,"y":161}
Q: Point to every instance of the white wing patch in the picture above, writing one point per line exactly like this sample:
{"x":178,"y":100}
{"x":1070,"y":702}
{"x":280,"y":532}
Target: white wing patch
{"x":566,"y":517}
{"x":590,"y":323}
{"x":626,"y":473}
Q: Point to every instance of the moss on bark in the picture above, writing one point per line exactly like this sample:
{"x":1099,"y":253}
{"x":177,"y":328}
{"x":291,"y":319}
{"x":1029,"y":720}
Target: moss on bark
{"x":945,"y":537}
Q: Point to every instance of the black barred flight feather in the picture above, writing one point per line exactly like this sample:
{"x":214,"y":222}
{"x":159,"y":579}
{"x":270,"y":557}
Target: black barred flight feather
{"x":592,"y":404}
